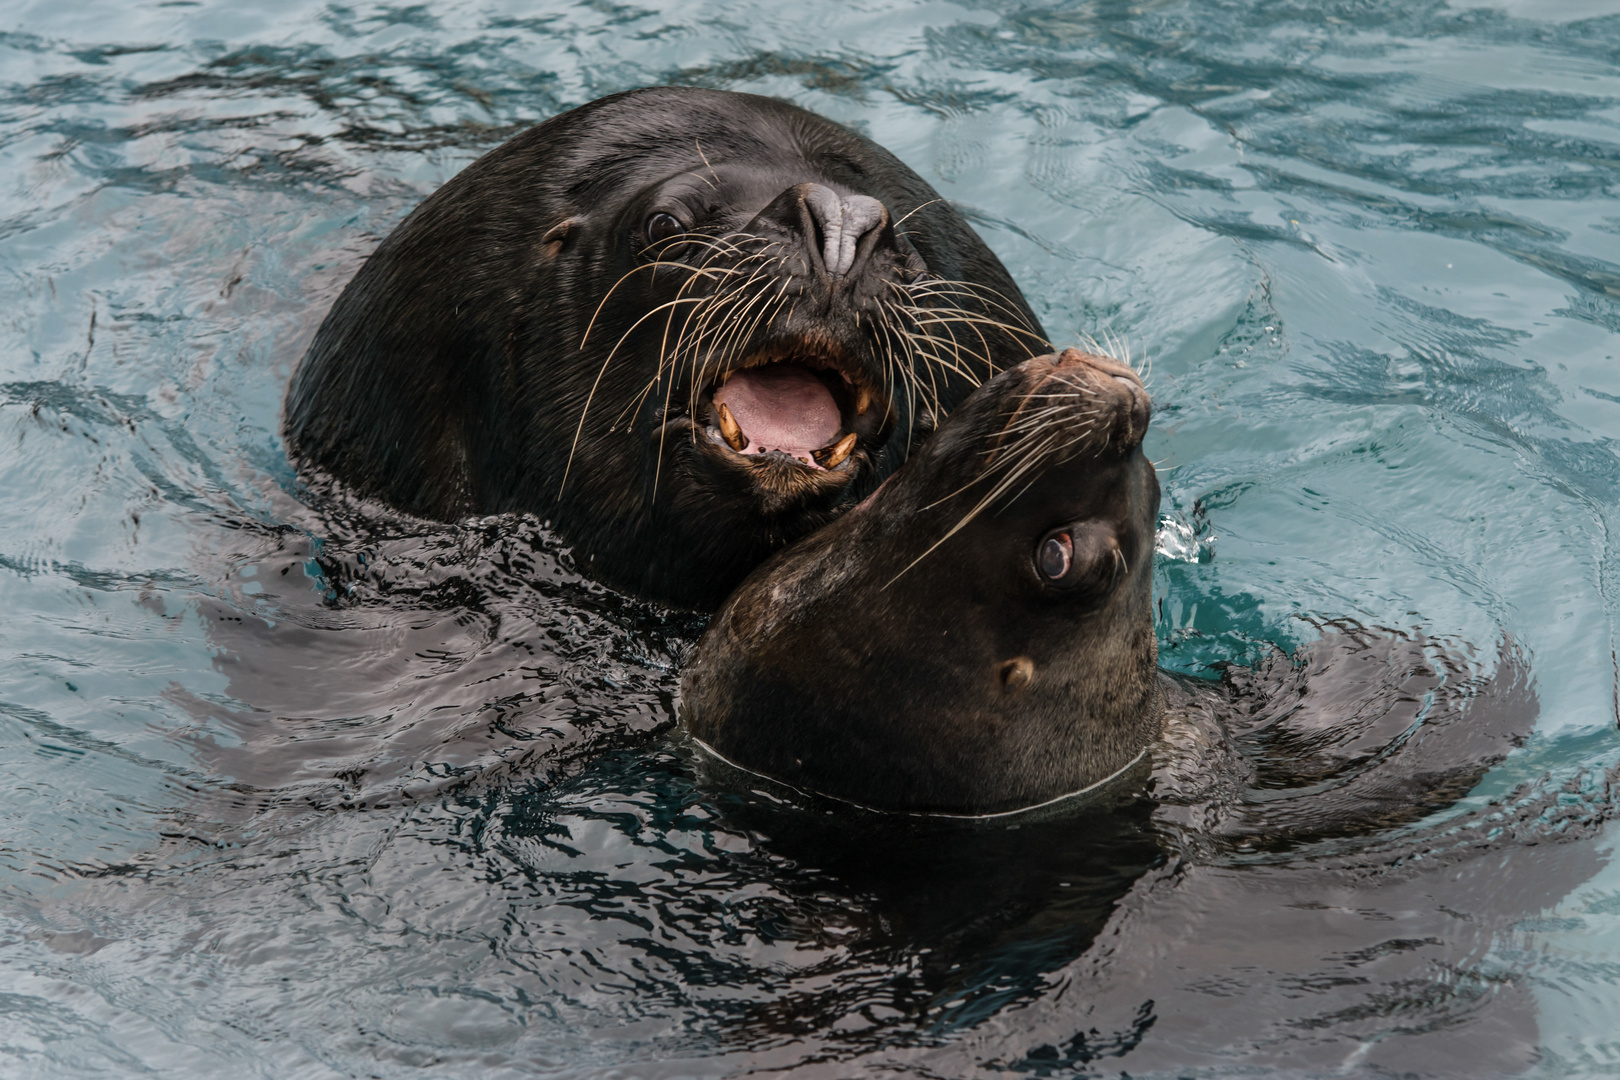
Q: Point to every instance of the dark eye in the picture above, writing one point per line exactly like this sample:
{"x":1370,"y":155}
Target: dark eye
{"x":662,"y":226}
{"x":1081,"y":559}
{"x":1055,"y":555}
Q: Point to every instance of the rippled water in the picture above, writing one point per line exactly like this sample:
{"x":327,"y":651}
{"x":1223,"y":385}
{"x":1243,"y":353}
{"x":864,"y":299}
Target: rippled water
{"x":292,"y":794}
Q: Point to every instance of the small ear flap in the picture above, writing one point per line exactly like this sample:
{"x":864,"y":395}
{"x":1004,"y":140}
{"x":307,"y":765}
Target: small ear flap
{"x":1016,"y":674}
{"x":556,"y":237}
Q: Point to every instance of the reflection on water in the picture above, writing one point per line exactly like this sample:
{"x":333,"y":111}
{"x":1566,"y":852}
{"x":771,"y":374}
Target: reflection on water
{"x":312,"y":790}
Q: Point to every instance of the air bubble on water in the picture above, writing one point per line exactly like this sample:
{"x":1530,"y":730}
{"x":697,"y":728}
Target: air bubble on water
{"x":1183,"y":541}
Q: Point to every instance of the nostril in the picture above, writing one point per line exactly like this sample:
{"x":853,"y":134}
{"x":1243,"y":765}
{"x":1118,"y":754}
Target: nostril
{"x":826,"y":216}
{"x":839,"y":231}
{"x":1141,"y":410}
{"x":1134,"y":411}
{"x":841,"y":220}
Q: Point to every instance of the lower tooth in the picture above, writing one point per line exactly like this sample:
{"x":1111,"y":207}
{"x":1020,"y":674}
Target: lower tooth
{"x":830,"y":457}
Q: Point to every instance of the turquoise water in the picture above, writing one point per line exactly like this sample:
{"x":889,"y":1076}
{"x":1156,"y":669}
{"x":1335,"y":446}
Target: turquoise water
{"x":298,"y":796}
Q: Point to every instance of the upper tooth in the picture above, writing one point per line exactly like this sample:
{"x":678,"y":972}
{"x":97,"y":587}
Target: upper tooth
{"x":732,"y":430}
{"x":863,"y":401}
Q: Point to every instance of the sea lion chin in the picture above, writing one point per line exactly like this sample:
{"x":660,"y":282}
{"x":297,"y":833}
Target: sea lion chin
{"x":974,"y":638}
{"x":686,"y":327}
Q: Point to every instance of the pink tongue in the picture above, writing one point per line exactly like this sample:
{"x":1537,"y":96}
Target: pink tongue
{"x":781,"y":407}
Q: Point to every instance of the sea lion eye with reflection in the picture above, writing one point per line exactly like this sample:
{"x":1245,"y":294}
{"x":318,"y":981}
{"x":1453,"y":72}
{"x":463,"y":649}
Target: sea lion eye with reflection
{"x":685,"y":326}
{"x":662,"y":227}
{"x":1083,"y":557}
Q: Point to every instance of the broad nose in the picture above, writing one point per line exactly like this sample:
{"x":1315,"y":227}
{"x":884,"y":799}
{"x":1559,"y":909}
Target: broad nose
{"x":1116,"y":387}
{"x":840,"y":230}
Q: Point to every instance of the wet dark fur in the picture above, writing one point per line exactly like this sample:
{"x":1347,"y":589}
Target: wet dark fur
{"x":451,"y":376}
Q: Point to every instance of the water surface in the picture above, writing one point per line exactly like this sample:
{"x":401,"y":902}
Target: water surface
{"x":300,"y":793}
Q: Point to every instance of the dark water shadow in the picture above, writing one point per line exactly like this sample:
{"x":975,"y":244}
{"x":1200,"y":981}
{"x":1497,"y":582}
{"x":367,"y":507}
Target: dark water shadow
{"x":385,"y":660}
{"x":1326,"y":863}
{"x":970,"y":915}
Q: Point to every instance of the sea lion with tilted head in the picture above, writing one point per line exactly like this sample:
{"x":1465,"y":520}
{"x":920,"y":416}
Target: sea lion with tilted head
{"x":976,"y":638}
{"x":685,"y":326}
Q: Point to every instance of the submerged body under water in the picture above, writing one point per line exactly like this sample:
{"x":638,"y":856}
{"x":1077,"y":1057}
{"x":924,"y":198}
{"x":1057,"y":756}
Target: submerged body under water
{"x":311,"y":790}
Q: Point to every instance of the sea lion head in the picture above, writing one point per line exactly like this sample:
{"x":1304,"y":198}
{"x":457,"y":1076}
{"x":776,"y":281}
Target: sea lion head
{"x":976,"y":637}
{"x":684,"y":326}
{"x":752,"y":314}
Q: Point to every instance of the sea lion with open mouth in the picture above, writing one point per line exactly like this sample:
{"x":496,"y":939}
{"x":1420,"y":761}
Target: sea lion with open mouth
{"x":685,"y":326}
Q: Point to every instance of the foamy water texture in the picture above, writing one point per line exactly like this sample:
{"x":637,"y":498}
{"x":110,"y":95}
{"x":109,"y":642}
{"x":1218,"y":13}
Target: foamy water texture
{"x":299,"y":793}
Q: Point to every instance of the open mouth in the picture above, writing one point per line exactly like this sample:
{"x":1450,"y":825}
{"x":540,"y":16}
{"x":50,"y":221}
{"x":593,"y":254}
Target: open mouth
{"x":795,"y":406}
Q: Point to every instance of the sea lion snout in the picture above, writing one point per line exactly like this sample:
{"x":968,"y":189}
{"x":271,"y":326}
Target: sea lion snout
{"x":844,"y":220}
{"x":1069,"y":404}
{"x":838,"y":231}
{"x":1120,"y":409}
